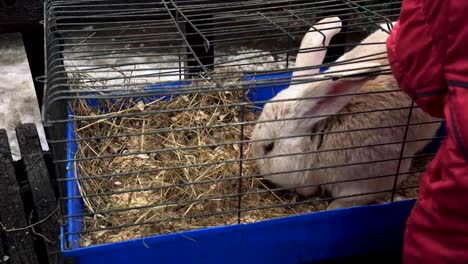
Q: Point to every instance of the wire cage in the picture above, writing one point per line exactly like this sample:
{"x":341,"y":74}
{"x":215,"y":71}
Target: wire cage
{"x":175,"y":115}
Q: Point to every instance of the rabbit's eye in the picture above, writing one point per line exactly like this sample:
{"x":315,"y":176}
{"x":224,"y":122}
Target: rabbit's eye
{"x":268,"y":147}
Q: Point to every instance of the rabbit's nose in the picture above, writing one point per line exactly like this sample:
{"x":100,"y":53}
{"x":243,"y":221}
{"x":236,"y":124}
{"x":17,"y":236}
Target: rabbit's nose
{"x":305,"y":191}
{"x":298,"y":192}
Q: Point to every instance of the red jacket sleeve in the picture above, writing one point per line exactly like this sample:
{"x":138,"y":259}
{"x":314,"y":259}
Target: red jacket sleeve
{"x":415,"y":57}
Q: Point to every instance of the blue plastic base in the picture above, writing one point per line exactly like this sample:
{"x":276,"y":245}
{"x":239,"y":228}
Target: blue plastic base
{"x":294,"y":240}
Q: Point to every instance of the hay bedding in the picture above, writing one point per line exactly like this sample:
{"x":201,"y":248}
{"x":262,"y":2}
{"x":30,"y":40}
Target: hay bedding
{"x":169,"y":217}
{"x":164,"y":207}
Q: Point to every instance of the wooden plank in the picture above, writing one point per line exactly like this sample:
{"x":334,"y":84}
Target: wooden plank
{"x":18,"y":240}
{"x":43,"y":195}
{"x":3,"y":256}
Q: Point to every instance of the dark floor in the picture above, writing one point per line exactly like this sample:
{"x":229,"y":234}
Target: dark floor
{"x":380,"y":258}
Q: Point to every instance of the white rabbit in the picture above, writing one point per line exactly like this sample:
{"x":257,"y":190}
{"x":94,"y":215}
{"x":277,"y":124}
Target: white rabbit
{"x":288,"y":156}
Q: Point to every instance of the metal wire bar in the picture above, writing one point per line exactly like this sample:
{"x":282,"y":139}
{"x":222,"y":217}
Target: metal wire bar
{"x":241,"y":142}
{"x":233,"y":178}
{"x":276,"y":25}
{"x":241,"y":157}
{"x":195,"y":19}
{"x":98,"y":53}
{"x":228,"y":26}
{"x":189,"y":46}
{"x":266,"y":29}
{"x":344,"y":62}
{"x":183,"y":89}
{"x":217,"y":7}
{"x":253,"y":159}
{"x":235,"y":211}
{"x":245,"y":86}
{"x":221,"y":197}
{"x":53,"y":141}
{"x":217,"y":180}
{"x":207,"y":42}
{"x":249,"y":141}
{"x":405,"y":135}
{"x":248,"y":28}
{"x":109,"y":116}
{"x":103,"y":117}
{"x":368,"y":10}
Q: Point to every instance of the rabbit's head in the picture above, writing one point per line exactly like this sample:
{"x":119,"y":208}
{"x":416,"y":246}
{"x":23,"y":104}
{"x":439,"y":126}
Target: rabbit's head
{"x":282,"y":136}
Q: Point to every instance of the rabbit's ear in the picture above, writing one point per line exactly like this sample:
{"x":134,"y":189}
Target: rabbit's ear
{"x":312,"y":51}
{"x":330,"y":96}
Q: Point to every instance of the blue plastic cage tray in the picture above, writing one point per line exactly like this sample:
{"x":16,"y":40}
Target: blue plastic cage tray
{"x":298,"y":239}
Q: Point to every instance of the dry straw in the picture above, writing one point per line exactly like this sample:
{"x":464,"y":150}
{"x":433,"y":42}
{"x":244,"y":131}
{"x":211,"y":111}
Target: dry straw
{"x":167,"y":208}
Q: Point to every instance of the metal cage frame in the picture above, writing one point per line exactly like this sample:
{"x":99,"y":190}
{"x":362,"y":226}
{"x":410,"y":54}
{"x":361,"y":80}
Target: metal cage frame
{"x":196,"y":24}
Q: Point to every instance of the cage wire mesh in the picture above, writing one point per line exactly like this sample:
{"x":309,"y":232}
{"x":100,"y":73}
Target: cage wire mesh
{"x":151,"y":108}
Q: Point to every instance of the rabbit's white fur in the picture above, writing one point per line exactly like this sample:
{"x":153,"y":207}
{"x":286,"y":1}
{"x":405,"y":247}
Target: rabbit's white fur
{"x":293,"y":152}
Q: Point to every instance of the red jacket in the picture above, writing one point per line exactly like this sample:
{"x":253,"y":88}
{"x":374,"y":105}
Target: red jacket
{"x":428,"y":54}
